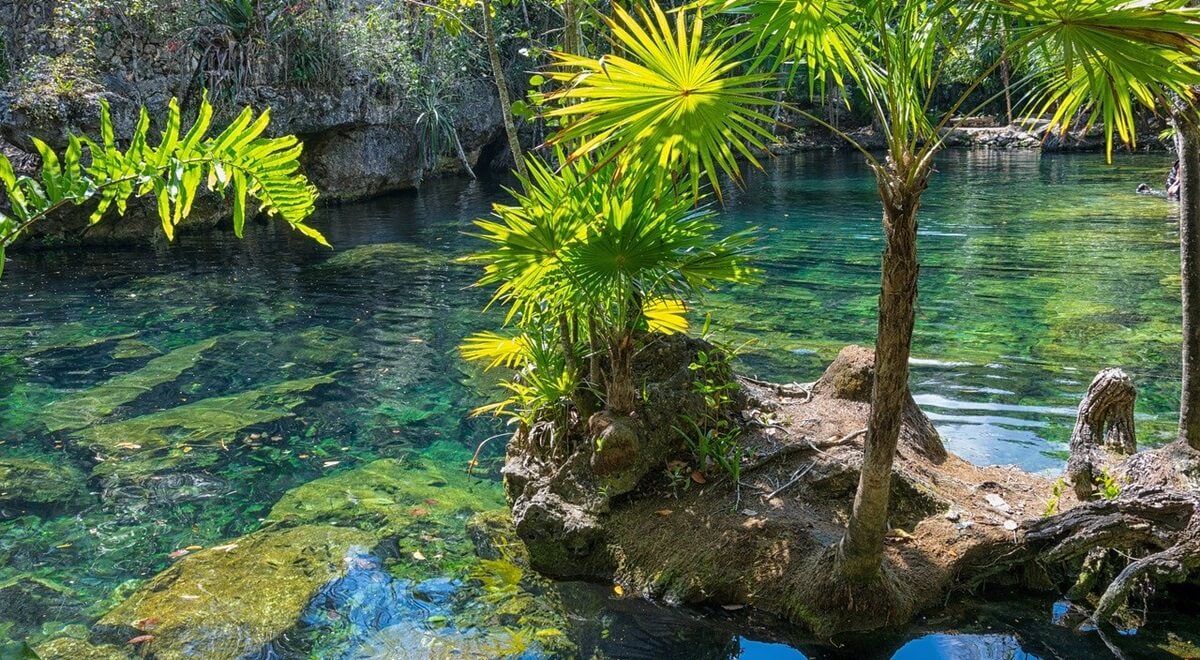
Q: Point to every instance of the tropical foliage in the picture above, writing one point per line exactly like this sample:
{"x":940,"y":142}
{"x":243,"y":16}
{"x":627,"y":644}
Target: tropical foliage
{"x":592,"y":256}
{"x":239,"y":160}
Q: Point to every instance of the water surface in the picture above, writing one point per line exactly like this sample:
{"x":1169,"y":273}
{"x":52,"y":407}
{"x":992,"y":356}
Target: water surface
{"x":1037,"y":272}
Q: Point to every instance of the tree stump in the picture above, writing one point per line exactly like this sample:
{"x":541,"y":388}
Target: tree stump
{"x":1104,"y":422}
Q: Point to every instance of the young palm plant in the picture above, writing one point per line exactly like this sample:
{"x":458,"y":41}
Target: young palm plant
{"x":1098,"y":58}
{"x":596,"y":258}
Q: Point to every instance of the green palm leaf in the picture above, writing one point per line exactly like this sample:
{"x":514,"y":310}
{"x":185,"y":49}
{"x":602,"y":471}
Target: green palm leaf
{"x":674,"y":101}
{"x":1101,"y":57}
{"x":239,"y":160}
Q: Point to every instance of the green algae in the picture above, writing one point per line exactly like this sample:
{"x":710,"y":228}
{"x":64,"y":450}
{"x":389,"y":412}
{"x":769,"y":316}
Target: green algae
{"x":191,"y":433}
{"x":131,"y":349}
{"x":69,"y":648}
{"x":368,"y":259}
{"x":90,"y":406}
{"x":390,"y":495}
{"x":25,"y":481}
{"x":231,"y":600}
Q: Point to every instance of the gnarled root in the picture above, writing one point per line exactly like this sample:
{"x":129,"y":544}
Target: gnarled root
{"x":1163,"y":523}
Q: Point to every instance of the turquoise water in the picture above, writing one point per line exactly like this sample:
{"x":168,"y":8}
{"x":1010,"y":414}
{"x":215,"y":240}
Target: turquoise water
{"x":191,"y":387}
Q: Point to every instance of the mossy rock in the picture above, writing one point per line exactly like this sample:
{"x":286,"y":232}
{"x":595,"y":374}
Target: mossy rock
{"x":367,"y":259}
{"x":131,"y":349}
{"x":230,"y":601}
{"x":29,"y":601}
{"x":189,"y":435}
{"x":85,"y":408}
{"x":388,"y":495}
{"x":69,"y":648}
{"x":26,"y":481}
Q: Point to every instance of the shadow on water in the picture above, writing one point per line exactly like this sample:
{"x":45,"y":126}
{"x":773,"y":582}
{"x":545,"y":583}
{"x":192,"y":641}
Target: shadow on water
{"x":186,"y":389}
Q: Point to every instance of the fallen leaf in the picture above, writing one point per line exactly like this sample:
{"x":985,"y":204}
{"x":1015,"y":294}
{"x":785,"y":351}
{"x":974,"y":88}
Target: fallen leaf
{"x":418,"y":512}
{"x":127,"y":445}
{"x":194,"y":548}
{"x":664,"y":512}
{"x":418,"y":556}
{"x":749,"y":512}
{"x":147,"y":623}
{"x":1010,"y":525}
{"x":698,"y":478}
{"x":179,"y":553}
{"x":186,"y":449}
{"x":226,"y":548}
{"x":140,"y":639}
{"x":897,"y":533}
{"x":430,"y":501}
{"x":618,"y":590}
{"x":330,"y":463}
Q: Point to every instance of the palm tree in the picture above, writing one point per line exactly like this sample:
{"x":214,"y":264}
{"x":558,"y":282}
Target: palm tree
{"x":1097,"y":58}
{"x":1187,"y":148}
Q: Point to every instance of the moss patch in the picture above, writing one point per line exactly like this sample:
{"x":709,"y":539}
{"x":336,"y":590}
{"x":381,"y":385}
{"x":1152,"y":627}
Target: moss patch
{"x":190,"y":434}
{"x":30,"y":481}
{"x":231,"y":600}
{"x":388,"y":495}
{"x":88,"y":407}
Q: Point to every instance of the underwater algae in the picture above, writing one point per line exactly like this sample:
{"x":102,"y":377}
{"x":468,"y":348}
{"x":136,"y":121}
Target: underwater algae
{"x":190,"y":433}
{"x":86,"y":408}
{"x":230,"y":600}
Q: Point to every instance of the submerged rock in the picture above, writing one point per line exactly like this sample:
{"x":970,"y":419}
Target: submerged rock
{"x":69,"y":648}
{"x":190,"y":434}
{"x":232,"y":600}
{"x":31,"y":482}
{"x":388,"y":495}
{"x":29,"y":601}
{"x":89,"y":406}
{"x":368,"y":260}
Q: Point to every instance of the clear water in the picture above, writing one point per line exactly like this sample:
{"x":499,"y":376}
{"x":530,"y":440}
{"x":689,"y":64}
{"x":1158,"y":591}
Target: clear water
{"x":1037,"y":272}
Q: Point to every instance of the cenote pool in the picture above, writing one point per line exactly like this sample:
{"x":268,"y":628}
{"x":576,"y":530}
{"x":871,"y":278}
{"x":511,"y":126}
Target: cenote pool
{"x":218,"y":388}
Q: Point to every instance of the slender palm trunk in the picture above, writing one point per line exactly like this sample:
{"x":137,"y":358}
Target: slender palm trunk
{"x":1187,"y":142}
{"x":1005,"y":78}
{"x":861,"y":551}
{"x":620,"y":395}
{"x":510,"y":126}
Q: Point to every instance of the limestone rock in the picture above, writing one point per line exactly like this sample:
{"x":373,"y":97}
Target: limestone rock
{"x":231,"y":600}
{"x":69,"y":648}
{"x":25,"y":482}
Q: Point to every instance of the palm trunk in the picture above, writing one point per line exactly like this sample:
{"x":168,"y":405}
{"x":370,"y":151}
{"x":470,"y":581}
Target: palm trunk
{"x":620,"y":394}
{"x":510,"y":126}
{"x":1005,"y":79}
{"x":861,"y":551}
{"x":1187,"y":142}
